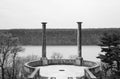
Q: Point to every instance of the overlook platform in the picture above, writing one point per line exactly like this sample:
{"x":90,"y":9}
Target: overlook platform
{"x":61,"y":69}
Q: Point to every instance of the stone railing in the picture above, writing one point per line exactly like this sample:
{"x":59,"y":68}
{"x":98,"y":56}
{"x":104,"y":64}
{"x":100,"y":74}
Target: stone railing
{"x":93,"y":68}
{"x":32,"y":70}
{"x":61,"y":62}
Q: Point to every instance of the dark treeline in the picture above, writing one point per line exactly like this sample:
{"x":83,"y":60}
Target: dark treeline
{"x":59,"y":36}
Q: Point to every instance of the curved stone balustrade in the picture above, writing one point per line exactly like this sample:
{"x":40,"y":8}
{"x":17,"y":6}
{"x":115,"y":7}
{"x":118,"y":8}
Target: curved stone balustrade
{"x":32,"y":70}
{"x":91,"y":70}
{"x":61,"y":62}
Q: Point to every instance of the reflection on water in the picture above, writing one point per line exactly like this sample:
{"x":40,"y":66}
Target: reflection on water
{"x":88,"y":52}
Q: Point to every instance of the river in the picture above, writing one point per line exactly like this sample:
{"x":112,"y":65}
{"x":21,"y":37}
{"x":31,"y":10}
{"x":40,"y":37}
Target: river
{"x":88,"y":52}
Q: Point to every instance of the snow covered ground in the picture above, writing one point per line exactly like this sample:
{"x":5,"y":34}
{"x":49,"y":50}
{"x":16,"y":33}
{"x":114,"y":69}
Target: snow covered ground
{"x":62,"y":71}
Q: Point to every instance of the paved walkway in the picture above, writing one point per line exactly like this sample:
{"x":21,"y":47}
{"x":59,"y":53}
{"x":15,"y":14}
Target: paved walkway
{"x":62,"y":71}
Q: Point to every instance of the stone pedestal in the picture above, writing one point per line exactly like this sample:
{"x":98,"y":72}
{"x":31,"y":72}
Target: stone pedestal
{"x":44,"y":61}
{"x":79,"y":61}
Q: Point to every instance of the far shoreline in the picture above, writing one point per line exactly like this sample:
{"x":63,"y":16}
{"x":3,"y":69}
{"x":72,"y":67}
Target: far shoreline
{"x":58,"y":45}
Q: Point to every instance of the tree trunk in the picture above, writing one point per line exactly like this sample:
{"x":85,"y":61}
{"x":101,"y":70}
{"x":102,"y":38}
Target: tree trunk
{"x":2,"y":69}
{"x":118,"y":65}
{"x":13,"y":68}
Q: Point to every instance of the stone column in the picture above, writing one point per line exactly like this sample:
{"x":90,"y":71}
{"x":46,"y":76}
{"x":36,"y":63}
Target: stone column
{"x":44,"y":39}
{"x":44,"y":58}
{"x":79,"y":43}
{"x":79,"y":39}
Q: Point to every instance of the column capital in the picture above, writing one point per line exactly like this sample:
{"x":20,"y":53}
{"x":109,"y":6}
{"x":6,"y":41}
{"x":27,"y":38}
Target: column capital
{"x":79,"y":22}
{"x":44,"y":22}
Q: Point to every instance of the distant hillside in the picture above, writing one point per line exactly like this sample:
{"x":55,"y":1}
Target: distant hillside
{"x":59,"y":36}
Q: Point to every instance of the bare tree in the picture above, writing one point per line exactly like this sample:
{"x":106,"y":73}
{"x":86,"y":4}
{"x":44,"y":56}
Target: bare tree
{"x":73,"y":56}
{"x":57,"y":56}
{"x":9,"y":47}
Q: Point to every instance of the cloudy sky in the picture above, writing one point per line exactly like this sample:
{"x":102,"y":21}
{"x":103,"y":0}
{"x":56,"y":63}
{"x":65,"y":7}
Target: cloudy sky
{"x":59,"y":13}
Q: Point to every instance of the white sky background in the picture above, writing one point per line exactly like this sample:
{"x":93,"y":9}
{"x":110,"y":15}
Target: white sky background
{"x":59,"y":13}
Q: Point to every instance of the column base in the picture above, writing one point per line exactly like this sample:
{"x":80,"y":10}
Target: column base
{"x":79,"y":61}
{"x":44,"y":61}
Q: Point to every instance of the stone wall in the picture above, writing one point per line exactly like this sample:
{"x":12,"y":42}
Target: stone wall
{"x":93,"y":68}
{"x":31,"y":71}
{"x":61,"y":62}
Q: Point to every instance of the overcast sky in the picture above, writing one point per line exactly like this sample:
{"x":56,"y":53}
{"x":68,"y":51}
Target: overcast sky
{"x":59,"y":13}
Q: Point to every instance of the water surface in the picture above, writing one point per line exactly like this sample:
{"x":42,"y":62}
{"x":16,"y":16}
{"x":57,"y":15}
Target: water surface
{"x":88,"y":52}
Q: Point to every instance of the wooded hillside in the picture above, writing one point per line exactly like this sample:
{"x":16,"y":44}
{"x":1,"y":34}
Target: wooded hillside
{"x":59,"y":36}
